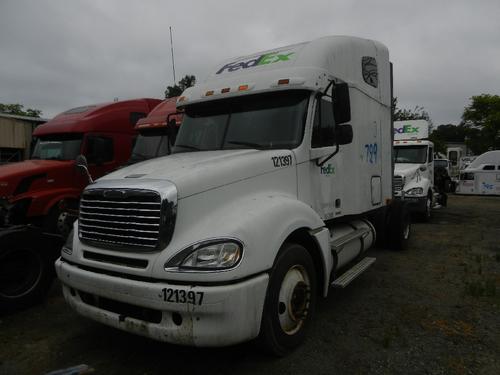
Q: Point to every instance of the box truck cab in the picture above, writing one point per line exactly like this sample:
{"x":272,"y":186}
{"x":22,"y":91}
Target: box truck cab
{"x":482,"y":176}
{"x":279,"y":181}
{"x":414,"y":165}
{"x":157,"y":132}
{"x":30,"y":191}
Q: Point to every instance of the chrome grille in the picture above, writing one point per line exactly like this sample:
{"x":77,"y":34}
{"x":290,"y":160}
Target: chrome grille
{"x":397,"y":183}
{"x":123,"y":218}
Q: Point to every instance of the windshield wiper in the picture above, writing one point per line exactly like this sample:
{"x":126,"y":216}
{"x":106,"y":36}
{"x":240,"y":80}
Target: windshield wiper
{"x":257,"y":146}
{"x":189,"y":146}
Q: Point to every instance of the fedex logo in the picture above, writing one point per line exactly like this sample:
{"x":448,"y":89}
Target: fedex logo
{"x":268,"y":58}
{"x":405,"y":130}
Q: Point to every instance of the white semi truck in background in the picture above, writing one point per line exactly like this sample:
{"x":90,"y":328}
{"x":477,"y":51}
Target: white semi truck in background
{"x":414,"y":166}
{"x":482,"y":176}
{"x":279,"y":181}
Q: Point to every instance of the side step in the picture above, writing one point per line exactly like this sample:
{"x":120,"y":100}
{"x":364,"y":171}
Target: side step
{"x":356,"y":270}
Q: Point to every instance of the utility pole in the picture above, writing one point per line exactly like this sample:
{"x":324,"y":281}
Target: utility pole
{"x":172,"y":50}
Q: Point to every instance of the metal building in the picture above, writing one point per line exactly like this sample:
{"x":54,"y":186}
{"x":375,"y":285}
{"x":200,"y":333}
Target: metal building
{"x":15,"y":136}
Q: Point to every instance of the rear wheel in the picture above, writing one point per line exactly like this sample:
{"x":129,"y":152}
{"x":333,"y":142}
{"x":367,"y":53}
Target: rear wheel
{"x":290,"y":300}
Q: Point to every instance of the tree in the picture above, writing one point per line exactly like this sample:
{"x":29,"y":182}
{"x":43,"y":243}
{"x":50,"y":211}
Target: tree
{"x":402,"y":114}
{"x":481,"y":118}
{"x":18,"y":109}
{"x":184,"y":83}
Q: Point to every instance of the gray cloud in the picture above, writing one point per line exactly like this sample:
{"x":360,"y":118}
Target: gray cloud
{"x":58,"y":54}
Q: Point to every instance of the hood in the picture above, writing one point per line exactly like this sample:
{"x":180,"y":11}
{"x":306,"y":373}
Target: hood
{"x":195,"y":172}
{"x":12,"y":174}
{"x":406,"y":169}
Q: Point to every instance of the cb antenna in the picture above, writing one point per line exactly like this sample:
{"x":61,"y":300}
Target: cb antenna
{"x":172,"y":50}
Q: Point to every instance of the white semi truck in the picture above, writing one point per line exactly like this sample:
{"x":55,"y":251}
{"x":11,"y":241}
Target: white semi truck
{"x":414,"y":166}
{"x":482,"y":176}
{"x":268,"y":200}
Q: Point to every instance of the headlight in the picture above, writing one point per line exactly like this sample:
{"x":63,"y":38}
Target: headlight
{"x":68,"y":245}
{"x":415,"y":191}
{"x":210,"y":255}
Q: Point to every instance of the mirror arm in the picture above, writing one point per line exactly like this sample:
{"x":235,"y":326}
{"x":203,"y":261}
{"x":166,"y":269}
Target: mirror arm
{"x":332,"y":83}
{"x":320,"y":164}
{"x":91,"y":181}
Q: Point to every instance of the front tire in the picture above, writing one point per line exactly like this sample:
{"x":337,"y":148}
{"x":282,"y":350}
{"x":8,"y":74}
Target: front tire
{"x":290,"y":300}
{"x":399,"y":225}
{"x":25,"y":276}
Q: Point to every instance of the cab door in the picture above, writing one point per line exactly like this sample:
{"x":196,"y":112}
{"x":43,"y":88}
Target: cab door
{"x":324,"y":184}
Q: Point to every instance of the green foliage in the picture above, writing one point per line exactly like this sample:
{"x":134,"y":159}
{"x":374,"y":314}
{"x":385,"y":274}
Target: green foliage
{"x":18,"y":109}
{"x":402,"y":114}
{"x":482,"y":119}
{"x":184,"y":83}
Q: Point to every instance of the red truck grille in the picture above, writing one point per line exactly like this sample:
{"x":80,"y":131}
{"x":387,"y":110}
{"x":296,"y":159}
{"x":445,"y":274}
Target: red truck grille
{"x":124,"y":218}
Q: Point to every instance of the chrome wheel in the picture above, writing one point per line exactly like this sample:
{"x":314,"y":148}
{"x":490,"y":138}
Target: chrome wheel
{"x":294,"y":299}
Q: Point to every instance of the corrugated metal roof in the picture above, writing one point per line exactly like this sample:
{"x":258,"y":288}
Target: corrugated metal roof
{"x":24,"y":118}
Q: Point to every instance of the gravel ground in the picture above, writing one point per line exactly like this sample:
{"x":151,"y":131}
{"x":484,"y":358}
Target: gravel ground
{"x":434,"y":309}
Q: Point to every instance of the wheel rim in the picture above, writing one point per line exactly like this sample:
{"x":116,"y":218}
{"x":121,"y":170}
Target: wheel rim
{"x":20,"y":272}
{"x":294,"y":299}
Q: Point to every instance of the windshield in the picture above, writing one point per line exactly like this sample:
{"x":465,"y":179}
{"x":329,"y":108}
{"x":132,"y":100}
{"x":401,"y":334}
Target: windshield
{"x":441,"y":163}
{"x":264,"y":121}
{"x":150,"y":144}
{"x":410,"y":154}
{"x":58,"y":147}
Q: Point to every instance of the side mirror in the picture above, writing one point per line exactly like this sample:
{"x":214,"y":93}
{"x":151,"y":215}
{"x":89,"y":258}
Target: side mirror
{"x":341,"y":103}
{"x":82,"y":166}
{"x":172,"y":128}
{"x":344,"y":134}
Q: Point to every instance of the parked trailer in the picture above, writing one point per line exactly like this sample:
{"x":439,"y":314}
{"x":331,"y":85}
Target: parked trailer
{"x":482,"y":176}
{"x":268,"y":200}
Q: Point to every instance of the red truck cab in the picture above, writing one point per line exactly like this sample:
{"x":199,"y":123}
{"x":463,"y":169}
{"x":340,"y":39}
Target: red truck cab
{"x":156,"y":136}
{"x":31,"y":191}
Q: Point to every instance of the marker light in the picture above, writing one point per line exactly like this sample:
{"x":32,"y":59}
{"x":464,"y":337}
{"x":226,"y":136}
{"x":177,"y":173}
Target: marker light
{"x":209,"y":93}
{"x":284,"y":81}
{"x":224,"y":90}
{"x":242,"y":87}
{"x":181,"y":99}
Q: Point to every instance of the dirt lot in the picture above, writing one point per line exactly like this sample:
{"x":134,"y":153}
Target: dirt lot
{"x":434,"y":309}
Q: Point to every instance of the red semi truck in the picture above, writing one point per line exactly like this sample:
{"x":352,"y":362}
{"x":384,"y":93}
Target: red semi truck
{"x":32,"y":192}
{"x":157,"y":132}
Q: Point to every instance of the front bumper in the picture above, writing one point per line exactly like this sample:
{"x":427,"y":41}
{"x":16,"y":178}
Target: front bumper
{"x":415,"y":204}
{"x":228,"y":314}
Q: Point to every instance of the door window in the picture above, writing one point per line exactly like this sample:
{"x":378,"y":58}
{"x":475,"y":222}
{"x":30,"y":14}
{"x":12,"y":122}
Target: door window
{"x":324,"y":124}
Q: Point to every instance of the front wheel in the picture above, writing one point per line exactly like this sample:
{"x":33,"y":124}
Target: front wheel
{"x":399,"y":225}
{"x":25,"y":276}
{"x":290,"y":300}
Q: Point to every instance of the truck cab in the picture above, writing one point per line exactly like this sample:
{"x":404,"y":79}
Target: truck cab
{"x":157,"y":132}
{"x":31,"y":191}
{"x":414,"y":166}
{"x":482,"y":176}
{"x":279,"y":182}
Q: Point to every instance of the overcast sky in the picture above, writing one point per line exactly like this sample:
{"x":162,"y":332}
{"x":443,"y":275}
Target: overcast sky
{"x":59,"y":54}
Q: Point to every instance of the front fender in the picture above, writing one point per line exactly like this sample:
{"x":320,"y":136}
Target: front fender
{"x":262,"y":222}
{"x":43,"y":201}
